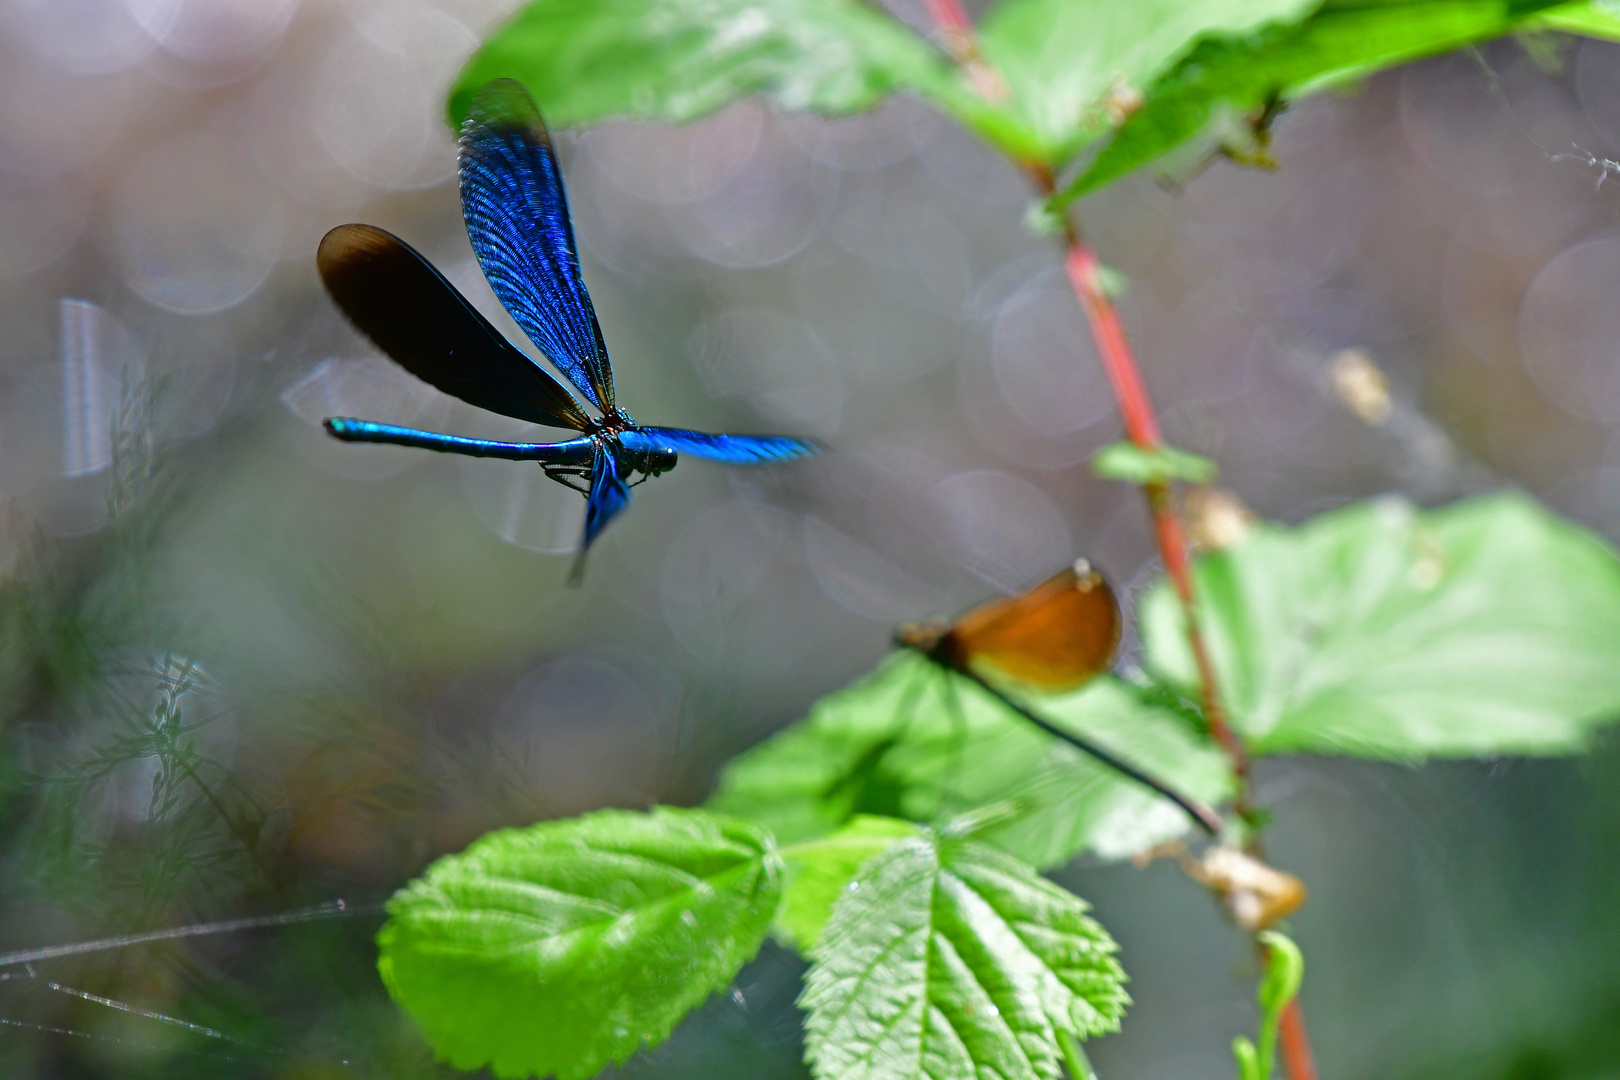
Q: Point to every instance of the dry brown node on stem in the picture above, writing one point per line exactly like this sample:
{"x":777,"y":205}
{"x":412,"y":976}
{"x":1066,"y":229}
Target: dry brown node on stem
{"x":1254,"y":894}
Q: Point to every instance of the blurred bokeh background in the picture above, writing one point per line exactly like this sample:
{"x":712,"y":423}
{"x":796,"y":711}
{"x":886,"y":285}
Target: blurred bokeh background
{"x":245,"y":668}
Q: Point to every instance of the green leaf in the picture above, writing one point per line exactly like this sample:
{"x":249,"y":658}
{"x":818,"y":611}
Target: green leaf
{"x":1042,"y":220}
{"x":1074,"y":1058}
{"x":677,"y":60}
{"x":1345,"y":40}
{"x":1114,"y":282}
{"x":1285,"y":970}
{"x":1599,"y":19}
{"x":1074,"y":66}
{"x":1248,"y":1059}
{"x":914,"y":742}
{"x":565,"y":946}
{"x":819,"y":872}
{"x":949,"y":959}
{"x":1486,"y":627}
{"x":1134,"y":465}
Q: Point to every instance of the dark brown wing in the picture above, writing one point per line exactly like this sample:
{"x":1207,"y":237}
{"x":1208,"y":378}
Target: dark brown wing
{"x":413,"y":314}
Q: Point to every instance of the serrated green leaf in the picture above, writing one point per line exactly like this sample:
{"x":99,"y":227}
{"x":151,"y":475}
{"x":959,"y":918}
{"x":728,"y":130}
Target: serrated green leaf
{"x":1134,"y":465}
{"x":950,"y":959}
{"x":819,"y":872}
{"x":1073,"y":66}
{"x":563,"y":947}
{"x":913,"y":742}
{"x":1485,"y":627}
{"x":677,"y":60}
{"x":1344,"y":40}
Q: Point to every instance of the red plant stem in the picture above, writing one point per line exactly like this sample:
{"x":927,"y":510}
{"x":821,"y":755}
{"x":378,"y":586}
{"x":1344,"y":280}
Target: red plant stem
{"x":1085,"y":275}
{"x":1142,"y":428}
{"x":1296,"y":1044}
{"x":963,"y":45}
{"x":1136,"y":409}
{"x":950,"y":17}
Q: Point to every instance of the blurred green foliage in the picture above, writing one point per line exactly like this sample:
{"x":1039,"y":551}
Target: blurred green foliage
{"x":1377,"y":630}
{"x":1067,"y":72}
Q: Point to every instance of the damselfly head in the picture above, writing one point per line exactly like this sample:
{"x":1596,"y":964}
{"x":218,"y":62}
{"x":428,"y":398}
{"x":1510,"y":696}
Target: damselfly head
{"x":657,"y":461}
{"x":923,"y":636}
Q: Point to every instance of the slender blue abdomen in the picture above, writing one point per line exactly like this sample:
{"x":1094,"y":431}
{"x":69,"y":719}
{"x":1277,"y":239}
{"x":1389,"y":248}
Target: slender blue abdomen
{"x":573,"y":452}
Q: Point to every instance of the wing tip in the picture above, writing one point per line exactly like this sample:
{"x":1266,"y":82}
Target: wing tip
{"x":504,"y":105}
{"x":344,"y":245}
{"x":803,"y":448}
{"x":774,"y":448}
{"x":576,"y":572}
{"x":737,"y":449}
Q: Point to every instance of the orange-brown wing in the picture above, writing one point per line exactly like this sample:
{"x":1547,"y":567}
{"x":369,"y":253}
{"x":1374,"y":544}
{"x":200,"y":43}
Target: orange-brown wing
{"x":1056,"y":637}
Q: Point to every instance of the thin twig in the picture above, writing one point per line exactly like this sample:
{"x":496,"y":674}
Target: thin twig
{"x":136,"y":1010}
{"x":1202,"y":816}
{"x":328,"y":910}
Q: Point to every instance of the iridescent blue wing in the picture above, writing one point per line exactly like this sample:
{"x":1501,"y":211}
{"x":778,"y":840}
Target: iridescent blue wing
{"x":517,"y":218}
{"x":608,"y":495}
{"x":733,"y":449}
{"x":397,"y":299}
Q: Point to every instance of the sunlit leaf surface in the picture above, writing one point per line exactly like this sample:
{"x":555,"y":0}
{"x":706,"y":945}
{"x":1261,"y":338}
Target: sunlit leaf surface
{"x":913,"y":742}
{"x":947,"y":959}
{"x":1486,"y":627}
{"x":677,"y":60}
{"x":1344,"y":40}
{"x":819,"y":872}
{"x":1074,"y":67}
{"x":1599,"y":19}
{"x":557,"y":949}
